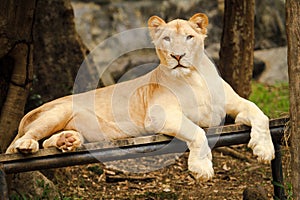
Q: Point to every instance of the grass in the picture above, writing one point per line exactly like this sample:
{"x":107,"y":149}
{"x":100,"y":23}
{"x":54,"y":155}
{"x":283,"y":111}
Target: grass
{"x":273,"y":100}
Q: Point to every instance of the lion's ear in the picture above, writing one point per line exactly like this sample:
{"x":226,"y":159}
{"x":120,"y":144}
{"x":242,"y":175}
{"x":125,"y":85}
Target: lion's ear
{"x":154,"y":23}
{"x":201,"y":20}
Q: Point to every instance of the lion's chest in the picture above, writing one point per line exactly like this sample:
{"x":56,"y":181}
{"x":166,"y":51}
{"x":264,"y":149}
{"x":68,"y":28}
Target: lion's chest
{"x":205,"y":114}
{"x":203,"y":101}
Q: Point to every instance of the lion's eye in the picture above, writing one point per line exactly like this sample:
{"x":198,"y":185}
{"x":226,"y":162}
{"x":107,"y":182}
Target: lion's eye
{"x":189,"y":37}
{"x":167,"y":38}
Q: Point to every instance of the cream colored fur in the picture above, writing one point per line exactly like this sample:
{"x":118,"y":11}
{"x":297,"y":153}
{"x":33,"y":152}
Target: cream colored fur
{"x":183,"y":94}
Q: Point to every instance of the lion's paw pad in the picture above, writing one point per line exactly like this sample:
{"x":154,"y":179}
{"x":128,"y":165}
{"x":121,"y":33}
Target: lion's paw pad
{"x":68,"y":141}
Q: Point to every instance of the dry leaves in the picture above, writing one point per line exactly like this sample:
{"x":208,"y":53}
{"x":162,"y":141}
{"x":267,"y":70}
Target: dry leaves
{"x":174,"y":181}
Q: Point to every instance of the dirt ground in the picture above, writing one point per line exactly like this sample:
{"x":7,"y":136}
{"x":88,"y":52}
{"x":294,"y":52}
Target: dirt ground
{"x":232,"y":176}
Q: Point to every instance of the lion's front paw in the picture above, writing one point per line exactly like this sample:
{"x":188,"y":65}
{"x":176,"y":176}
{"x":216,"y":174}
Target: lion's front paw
{"x":202,"y":168}
{"x":264,"y":150}
{"x":25,"y":146}
{"x":69,"y":141}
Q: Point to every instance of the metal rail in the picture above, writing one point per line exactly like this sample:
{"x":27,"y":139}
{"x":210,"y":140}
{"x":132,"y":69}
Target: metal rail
{"x":141,"y":147}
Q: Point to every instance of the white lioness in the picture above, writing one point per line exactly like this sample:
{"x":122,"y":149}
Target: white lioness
{"x":183,"y":94}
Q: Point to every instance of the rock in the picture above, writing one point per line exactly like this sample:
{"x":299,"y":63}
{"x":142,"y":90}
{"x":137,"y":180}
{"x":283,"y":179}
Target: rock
{"x":269,"y":24}
{"x":275,"y":61}
{"x":32,"y":185}
{"x":258,"y":68}
{"x":270,"y":65}
{"x":255,"y":193}
{"x":96,"y":21}
{"x":133,"y":64}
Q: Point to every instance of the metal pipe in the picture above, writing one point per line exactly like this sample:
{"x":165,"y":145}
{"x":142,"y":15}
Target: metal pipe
{"x":104,"y":155}
{"x":277,"y":175}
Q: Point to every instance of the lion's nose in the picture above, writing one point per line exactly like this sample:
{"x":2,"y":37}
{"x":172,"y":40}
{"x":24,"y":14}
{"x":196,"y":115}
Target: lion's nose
{"x":177,"y":57}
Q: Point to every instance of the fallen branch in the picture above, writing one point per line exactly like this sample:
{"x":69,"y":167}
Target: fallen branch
{"x":119,"y":178}
{"x":235,"y":154}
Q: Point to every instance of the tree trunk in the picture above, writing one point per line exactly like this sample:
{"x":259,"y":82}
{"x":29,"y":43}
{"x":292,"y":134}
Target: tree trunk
{"x":237,"y":44}
{"x":58,"y":52}
{"x":293,"y":38}
{"x":16,"y":64}
{"x":16,"y":58}
{"x":39,"y":36}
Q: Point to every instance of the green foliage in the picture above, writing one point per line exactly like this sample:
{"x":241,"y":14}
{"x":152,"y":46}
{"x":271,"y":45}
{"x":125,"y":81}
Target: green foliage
{"x":289,"y":191}
{"x":46,"y":190}
{"x":273,"y":100}
{"x":18,"y":197}
{"x":96,"y":169}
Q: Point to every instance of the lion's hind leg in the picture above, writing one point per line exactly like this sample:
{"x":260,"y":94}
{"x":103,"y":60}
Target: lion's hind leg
{"x":68,"y":140}
{"x":41,"y":123}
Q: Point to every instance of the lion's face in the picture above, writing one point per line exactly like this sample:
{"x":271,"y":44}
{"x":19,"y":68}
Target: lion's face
{"x":179,"y":43}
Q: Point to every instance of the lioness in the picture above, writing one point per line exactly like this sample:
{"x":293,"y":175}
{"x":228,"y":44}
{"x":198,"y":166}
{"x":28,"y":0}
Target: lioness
{"x":183,"y":94}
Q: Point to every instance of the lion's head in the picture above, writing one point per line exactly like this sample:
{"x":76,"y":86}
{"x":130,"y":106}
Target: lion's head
{"x":179,"y":43}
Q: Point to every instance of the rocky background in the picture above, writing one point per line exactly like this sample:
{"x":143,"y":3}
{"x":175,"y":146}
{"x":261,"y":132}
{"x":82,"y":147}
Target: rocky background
{"x":99,"y":20}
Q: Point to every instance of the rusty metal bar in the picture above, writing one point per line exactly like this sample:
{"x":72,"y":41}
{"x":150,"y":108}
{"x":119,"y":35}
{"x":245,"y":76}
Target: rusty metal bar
{"x":31,"y":163}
